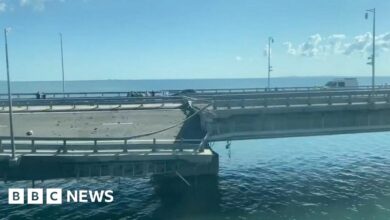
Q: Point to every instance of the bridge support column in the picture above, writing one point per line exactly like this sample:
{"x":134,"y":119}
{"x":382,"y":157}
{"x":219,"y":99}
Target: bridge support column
{"x":190,"y":170}
{"x":209,"y":169}
{"x":198,"y":180}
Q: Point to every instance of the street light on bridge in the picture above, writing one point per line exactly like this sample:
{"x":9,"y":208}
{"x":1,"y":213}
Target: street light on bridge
{"x":11,"y":128}
{"x":372,"y":57}
{"x":270,"y":40}
{"x":62,"y":66}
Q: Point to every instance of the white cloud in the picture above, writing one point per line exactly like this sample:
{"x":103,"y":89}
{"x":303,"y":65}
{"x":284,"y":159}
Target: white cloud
{"x":3,"y":6}
{"x":290,"y":49}
{"x":38,"y":5}
{"x":238,"y":58}
{"x":311,"y":47}
{"x":361,"y":44}
{"x":383,"y":42}
{"x":336,"y":44}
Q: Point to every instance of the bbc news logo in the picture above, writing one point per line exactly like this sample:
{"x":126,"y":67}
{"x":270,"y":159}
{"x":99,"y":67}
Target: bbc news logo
{"x":58,"y":196}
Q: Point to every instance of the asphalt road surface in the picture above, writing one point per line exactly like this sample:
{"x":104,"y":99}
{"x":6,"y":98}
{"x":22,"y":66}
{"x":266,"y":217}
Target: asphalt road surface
{"x":90,"y":124}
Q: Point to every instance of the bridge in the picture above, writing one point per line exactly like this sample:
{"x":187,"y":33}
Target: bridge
{"x":76,"y":135}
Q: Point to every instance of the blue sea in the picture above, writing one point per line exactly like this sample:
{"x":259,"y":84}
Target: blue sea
{"x":149,"y":85}
{"x":301,"y":178}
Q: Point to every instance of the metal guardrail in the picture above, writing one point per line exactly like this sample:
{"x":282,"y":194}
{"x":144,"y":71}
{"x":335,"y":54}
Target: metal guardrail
{"x":227,"y":99}
{"x":270,"y":90}
{"x":292,"y":94}
{"x":94,"y":101}
{"x":279,"y":89}
{"x":76,"y":95}
{"x":291,"y":99}
{"x":94,"y":145}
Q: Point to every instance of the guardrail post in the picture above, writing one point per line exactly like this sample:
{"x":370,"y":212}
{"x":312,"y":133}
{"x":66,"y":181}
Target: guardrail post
{"x":1,"y":146}
{"x":387,"y":97}
{"x":349,"y":99}
{"x":95,"y":148}
{"x":181,"y":144}
{"x":125,"y":146}
{"x":242,"y":103}
{"x":64,"y":147}
{"x":330,"y":100}
{"x":154,"y":145}
{"x":288,"y":101}
{"x":370,"y":98}
{"x":33,"y":148}
{"x":214,"y":105}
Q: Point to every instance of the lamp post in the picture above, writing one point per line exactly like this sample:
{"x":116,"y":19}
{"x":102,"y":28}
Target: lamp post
{"x":62,"y":66}
{"x":270,"y":40}
{"x":11,"y":128}
{"x":372,"y":57}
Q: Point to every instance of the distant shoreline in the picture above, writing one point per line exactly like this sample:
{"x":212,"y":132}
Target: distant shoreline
{"x":185,"y":79}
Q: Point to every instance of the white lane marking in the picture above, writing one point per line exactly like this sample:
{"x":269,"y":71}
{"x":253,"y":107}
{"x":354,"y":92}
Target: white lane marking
{"x":118,"y":123}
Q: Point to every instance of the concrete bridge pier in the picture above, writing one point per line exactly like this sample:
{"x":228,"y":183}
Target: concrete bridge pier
{"x":188,"y":170}
{"x":199,"y":180}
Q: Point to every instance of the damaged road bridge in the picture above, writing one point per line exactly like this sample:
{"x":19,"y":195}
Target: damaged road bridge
{"x":84,"y":136}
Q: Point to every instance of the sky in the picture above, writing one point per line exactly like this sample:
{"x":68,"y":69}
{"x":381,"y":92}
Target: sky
{"x":167,"y":39}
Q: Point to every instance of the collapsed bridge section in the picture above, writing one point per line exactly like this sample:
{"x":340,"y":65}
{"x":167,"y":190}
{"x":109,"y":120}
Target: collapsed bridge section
{"x":253,"y":116}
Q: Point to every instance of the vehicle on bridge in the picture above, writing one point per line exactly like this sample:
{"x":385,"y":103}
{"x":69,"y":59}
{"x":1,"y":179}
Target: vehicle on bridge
{"x":185,"y":92}
{"x":342,"y":83}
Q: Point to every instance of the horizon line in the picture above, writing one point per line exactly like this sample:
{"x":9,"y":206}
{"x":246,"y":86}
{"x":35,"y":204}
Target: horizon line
{"x":75,"y":80}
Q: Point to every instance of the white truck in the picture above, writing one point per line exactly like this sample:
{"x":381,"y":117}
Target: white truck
{"x":345,"y":83}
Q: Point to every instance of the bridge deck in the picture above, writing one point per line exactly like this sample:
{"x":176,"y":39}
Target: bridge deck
{"x":100,"y":143}
{"x":96,"y":124}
